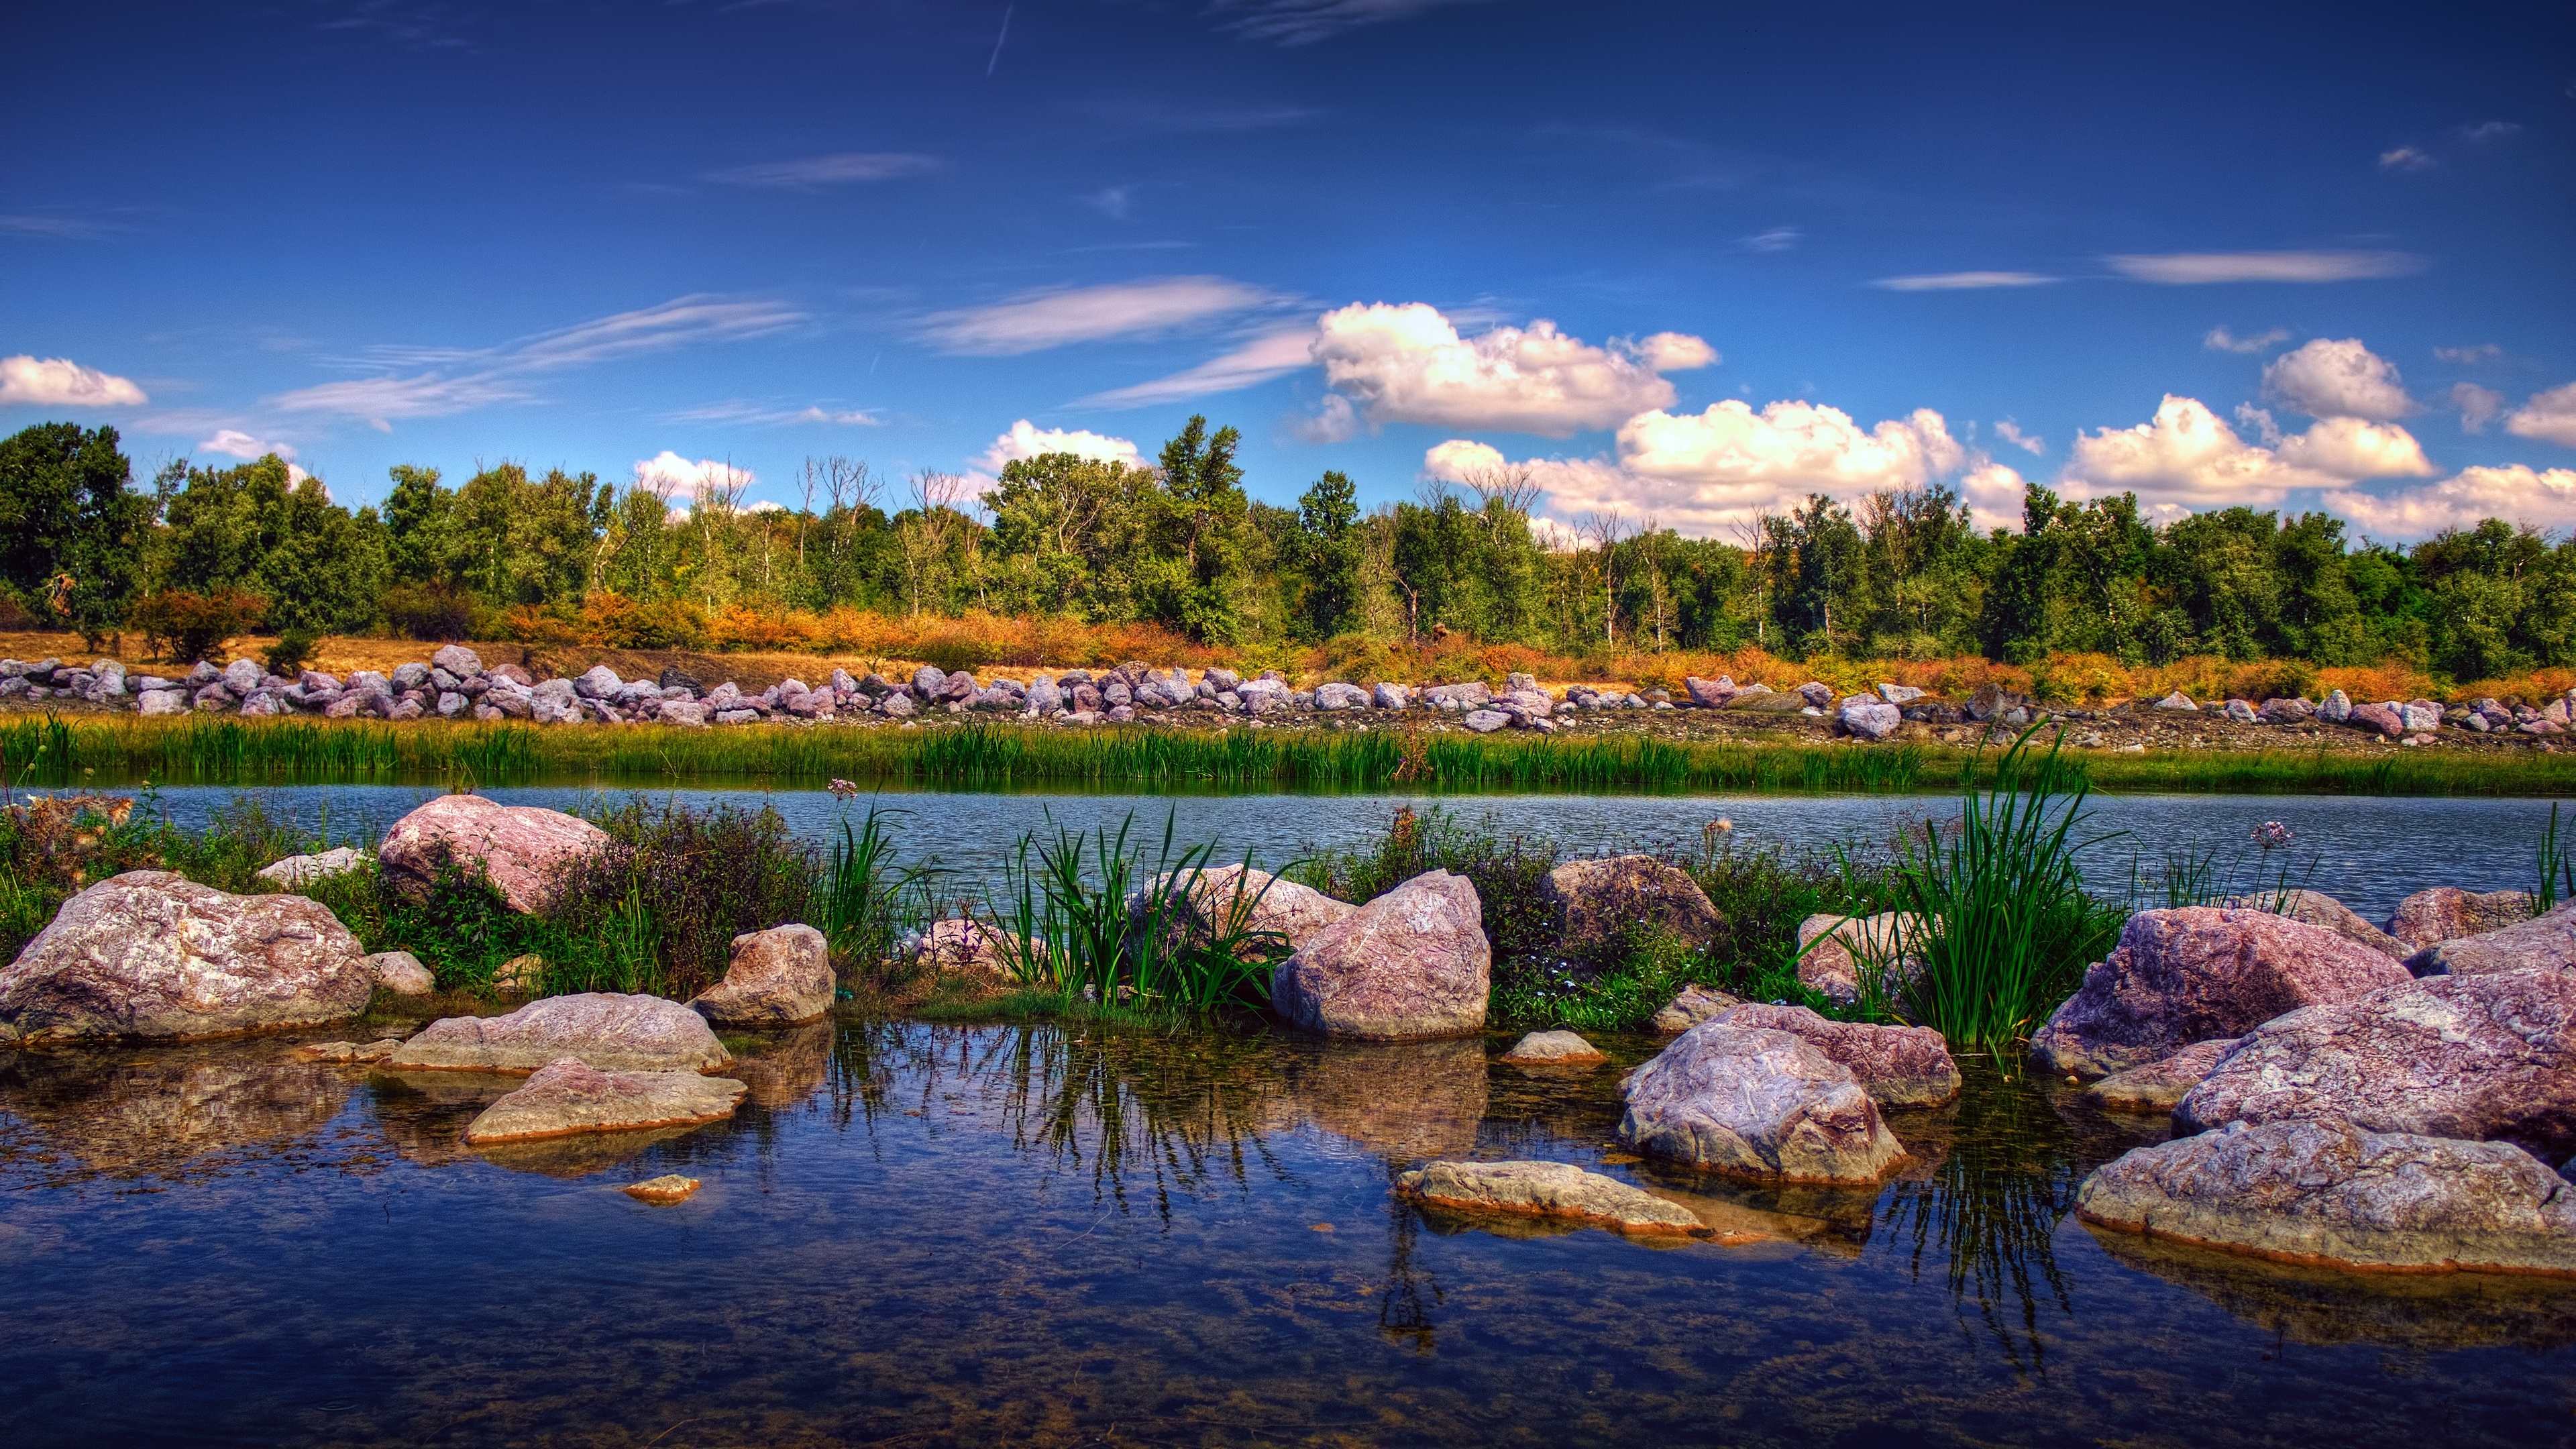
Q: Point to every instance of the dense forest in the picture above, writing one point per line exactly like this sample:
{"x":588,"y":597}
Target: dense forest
{"x":507,"y":553}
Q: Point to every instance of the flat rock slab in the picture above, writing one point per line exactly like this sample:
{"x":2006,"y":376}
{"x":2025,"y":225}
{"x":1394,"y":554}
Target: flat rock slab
{"x":1554,"y":1049}
{"x":670,"y":1187}
{"x":567,"y":1097}
{"x":1412,"y":963}
{"x":2481,"y":1058}
{"x":519,"y":848}
{"x":1899,"y":1066}
{"x":777,"y":978}
{"x":2160,"y":1086}
{"x":350,"y":1053}
{"x":1545,"y":1190}
{"x":2329,"y":1194}
{"x":2544,"y":943}
{"x":1756,"y":1103}
{"x":153,"y":956}
{"x":2200,"y":973}
{"x":297,"y":871}
{"x":611,"y":1032}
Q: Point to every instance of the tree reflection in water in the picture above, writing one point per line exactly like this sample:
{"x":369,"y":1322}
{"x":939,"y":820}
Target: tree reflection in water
{"x":2005,"y":1172}
{"x":1403,"y":1313}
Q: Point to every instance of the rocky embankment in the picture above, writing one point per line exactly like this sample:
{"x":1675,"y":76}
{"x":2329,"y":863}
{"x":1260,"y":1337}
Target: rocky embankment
{"x":455,"y":683}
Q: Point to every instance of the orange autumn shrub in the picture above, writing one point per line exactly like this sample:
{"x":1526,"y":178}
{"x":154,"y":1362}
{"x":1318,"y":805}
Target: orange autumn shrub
{"x":2536,"y":687}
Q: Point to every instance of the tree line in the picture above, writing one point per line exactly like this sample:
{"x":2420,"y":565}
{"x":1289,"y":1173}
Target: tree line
{"x":1178,"y":543}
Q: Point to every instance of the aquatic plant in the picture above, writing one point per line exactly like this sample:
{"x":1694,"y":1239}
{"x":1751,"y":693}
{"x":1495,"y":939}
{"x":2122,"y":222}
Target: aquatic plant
{"x":2008,"y":925}
{"x":2557,"y":868}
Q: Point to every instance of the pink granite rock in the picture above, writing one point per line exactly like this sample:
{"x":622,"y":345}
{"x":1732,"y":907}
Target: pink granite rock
{"x":519,"y":847}
{"x":150,"y":954}
{"x":2197,"y":973}
{"x":2447,"y":912}
{"x":1232,"y":896}
{"x":1412,"y":963}
{"x":1756,"y":1103}
{"x":568,"y":1096}
{"x":1593,"y":902}
{"x":610,"y":1031}
{"x":2543,"y":943}
{"x":2319,"y":909}
{"x":2482,"y":1058}
{"x":778,"y":977}
{"x":2379,"y":719}
{"x":1832,"y":949}
{"x":2159,"y":1085}
{"x":1899,"y":1066}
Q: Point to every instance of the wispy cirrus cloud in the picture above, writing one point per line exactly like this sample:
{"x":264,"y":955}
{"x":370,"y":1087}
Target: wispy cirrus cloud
{"x":1303,"y":22}
{"x":2405,"y":158}
{"x":2222,"y":340}
{"x":455,"y":380}
{"x":1272,"y":354}
{"x":59,"y":225}
{"x":812,"y":173}
{"x":1036,"y":321}
{"x":1963,"y":281}
{"x":2193,"y":269}
{"x":772,"y":413}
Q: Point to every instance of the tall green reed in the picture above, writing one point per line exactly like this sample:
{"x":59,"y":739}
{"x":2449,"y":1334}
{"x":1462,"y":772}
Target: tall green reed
{"x":2557,"y":868}
{"x":2007,"y":924}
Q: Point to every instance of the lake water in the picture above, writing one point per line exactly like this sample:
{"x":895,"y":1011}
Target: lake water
{"x":930,"y":1235}
{"x":2369,"y":852}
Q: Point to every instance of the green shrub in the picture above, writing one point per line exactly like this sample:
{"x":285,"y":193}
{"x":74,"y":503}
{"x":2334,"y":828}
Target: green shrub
{"x":293,"y":650}
{"x":185,"y":626}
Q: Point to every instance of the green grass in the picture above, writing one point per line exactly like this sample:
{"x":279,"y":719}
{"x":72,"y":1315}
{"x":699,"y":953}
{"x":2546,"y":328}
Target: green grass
{"x":205,"y":750}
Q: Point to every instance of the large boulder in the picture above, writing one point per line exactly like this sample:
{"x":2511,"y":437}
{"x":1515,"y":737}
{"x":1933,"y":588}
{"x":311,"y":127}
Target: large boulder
{"x":2328,"y":1193}
{"x":2543,"y":943}
{"x":1868,"y":717}
{"x":2486,"y":1058}
{"x":2197,"y":973}
{"x":568,"y":1096}
{"x":519,"y":848}
{"x":2160,"y":1085}
{"x":1556,"y":1190}
{"x":401,"y":973}
{"x":2319,"y":909}
{"x":615,"y":1033}
{"x":2447,"y":912}
{"x":153,"y":955}
{"x":457,"y":660}
{"x":1756,"y":1103}
{"x":1593,"y":902}
{"x":972,"y":948}
{"x":1219,"y":899}
{"x":1899,"y":1066}
{"x":1412,"y":963}
{"x":778,"y":977}
{"x":1832,"y":949}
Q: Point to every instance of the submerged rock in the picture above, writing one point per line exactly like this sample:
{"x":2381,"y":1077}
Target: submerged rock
{"x":2159,"y":1085}
{"x":519,"y":848}
{"x":1545,"y":1190}
{"x":609,"y":1031}
{"x":2331,"y":1194}
{"x":778,"y":977}
{"x":1412,"y":963}
{"x":568,"y":1096}
{"x":2484,"y":1058}
{"x":670,"y":1187}
{"x":2446,"y":913}
{"x":1595,"y":902}
{"x":2196,"y":974}
{"x":1899,"y":1066}
{"x":149,"y":954}
{"x":1757,"y":1103}
{"x":1554,"y":1049}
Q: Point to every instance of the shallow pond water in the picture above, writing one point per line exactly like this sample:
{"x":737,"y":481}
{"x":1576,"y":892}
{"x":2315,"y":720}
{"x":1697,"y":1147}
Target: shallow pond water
{"x":933,"y":1235}
{"x":2369,"y":852}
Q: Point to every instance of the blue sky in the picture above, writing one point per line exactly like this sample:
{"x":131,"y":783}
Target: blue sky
{"x":1680,"y":262}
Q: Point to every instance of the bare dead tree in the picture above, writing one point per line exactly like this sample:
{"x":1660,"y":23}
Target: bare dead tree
{"x":926,"y":536}
{"x":1513,"y":485}
{"x":1605,"y":529}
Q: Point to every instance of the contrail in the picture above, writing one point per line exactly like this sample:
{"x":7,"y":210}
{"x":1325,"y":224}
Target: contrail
{"x":997,"y":43}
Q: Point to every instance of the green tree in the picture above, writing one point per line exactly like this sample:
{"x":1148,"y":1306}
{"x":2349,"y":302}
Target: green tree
{"x":66,"y":509}
{"x":1205,"y":501}
{"x":1328,"y":553}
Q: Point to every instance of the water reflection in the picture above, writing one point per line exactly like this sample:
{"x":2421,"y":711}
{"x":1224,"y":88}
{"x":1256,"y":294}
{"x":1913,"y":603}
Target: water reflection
{"x":2318,"y":1307}
{"x":167,"y":1112}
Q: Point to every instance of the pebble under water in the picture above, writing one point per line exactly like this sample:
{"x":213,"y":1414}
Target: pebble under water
{"x":925,"y":1235}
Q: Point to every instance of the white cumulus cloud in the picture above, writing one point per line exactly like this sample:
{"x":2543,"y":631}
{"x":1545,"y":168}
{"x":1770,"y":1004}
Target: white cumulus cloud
{"x":59,"y":382}
{"x":1027,"y":440}
{"x":1407,"y":363}
{"x":2191,"y":269}
{"x":2517,"y":493}
{"x":2330,"y":379}
{"x":234,"y":443}
{"x":2478,"y":406}
{"x":2550,"y":416}
{"x":673,"y":476}
{"x":1035,"y":321}
{"x":2188,"y":455}
{"x":2011,"y":433}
